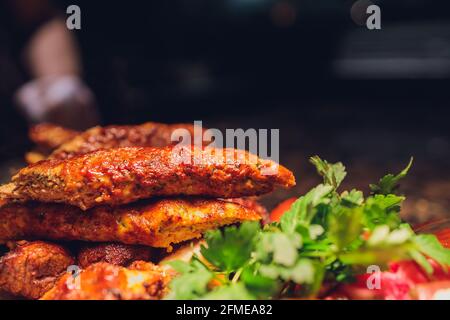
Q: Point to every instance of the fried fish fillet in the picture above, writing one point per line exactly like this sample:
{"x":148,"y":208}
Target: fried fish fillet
{"x":149,"y":134}
{"x":104,"y":281}
{"x":123,"y":175}
{"x":156,"y":223}
{"x":50,"y":136}
{"x":32,"y":268}
{"x":115,"y":253}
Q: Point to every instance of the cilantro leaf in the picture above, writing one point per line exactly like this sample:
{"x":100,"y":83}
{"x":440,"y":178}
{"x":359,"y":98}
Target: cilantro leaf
{"x":382,"y":210}
{"x":332,"y":173}
{"x":258,"y":285}
{"x":376,"y":255}
{"x":382,"y":247}
{"x":382,"y":236}
{"x":345,"y":226}
{"x":429,"y":245}
{"x":192,"y":283}
{"x":390,"y":202}
{"x":234,"y":291}
{"x":278,"y":247}
{"x":352,"y":199}
{"x":304,"y":208}
{"x":389,"y":183}
{"x":230,"y":249}
{"x":302,"y":271}
{"x":421,"y":260}
{"x":180,"y":266}
{"x":319,"y":275}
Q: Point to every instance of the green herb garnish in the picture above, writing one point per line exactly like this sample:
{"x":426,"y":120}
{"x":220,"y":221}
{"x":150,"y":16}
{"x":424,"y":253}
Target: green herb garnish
{"x":325,"y":235}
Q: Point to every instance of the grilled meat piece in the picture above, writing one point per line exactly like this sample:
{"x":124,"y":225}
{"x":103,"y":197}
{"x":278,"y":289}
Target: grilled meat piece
{"x":32,"y":268}
{"x":149,"y":134}
{"x":156,"y":223}
{"x":114,"y":253}
{"x":123,"y":175}
{"x":48,"y":136}
{"x":104,"y":281}
{"x":69,"y":143}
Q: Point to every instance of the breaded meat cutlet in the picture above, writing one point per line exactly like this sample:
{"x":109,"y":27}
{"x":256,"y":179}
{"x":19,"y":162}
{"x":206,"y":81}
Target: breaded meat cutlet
{"x":149,"y":134}
{"x":61,"y":143}
{"x":104,"y":281}
{"x":32,"y":268}
{"x":156,"y":223}
{"x":123,"y":175}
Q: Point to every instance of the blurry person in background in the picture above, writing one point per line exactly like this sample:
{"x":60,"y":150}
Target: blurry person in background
{"x":41,"y":65}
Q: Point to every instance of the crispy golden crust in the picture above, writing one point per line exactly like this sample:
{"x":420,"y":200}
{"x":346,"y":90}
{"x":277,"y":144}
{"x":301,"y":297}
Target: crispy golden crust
{"x":115,"y":253}
{"x":156,"y":223}
{"x":31,"y":269}
{"x":49,"y":136}
{"x":103,"y":281}
{"x":123,"y":175}
{"x":149,"y":134}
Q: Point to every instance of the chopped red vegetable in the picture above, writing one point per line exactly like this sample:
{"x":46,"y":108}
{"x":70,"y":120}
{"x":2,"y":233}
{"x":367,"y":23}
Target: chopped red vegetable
{"x":280,"y":209}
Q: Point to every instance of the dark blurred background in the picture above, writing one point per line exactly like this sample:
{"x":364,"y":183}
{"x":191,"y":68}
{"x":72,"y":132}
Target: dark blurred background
{"x":369,"y":98}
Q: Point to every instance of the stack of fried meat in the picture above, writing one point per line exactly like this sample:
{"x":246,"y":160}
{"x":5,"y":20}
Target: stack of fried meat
{"x":114,"y":201}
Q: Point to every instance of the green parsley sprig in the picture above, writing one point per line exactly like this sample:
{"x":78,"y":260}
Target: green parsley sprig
{"x":326,"y":236}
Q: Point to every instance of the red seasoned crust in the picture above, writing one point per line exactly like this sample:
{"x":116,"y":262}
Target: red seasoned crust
{"x":32,"y":268}
{"x":149,"y":134}
{"x":156,"y":223}
{"x":104,"y":281}
{"x":123,"y":175}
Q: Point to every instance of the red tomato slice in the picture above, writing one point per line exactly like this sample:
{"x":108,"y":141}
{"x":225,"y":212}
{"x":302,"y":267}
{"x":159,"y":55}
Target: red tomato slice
{"x":393,"y":286}
{"x":281,"y":208}
{"x":444,"y":237}
{"x":398,"y":283}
